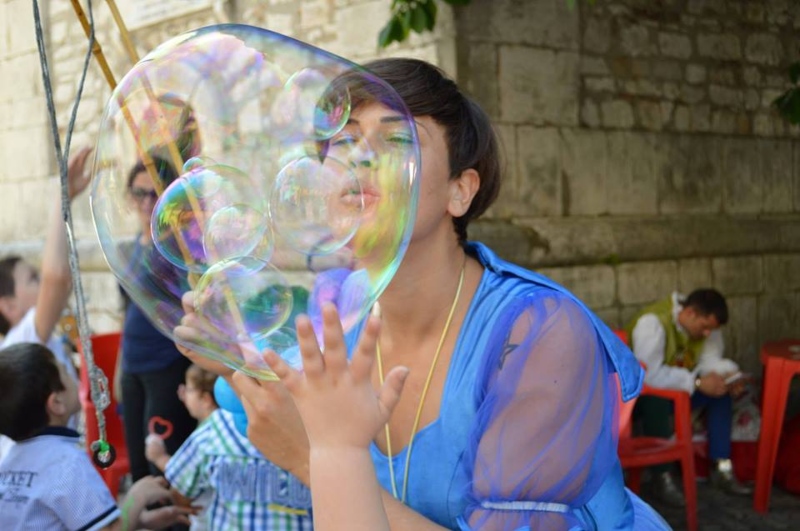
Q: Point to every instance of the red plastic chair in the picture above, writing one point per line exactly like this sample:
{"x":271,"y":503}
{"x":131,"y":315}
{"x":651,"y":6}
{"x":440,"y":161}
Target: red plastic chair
{"x":636,"y":453}
{"x":781,"y":361}
{"x":105,"y":348}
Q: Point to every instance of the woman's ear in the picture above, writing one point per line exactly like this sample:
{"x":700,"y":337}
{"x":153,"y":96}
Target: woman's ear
{"x":462,"y":191}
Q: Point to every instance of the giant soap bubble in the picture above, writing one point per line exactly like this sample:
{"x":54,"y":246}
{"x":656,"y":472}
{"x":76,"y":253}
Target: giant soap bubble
{"x":229,"y":165}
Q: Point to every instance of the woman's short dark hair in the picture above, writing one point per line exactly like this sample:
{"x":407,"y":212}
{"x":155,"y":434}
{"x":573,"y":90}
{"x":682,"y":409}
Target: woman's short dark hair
{"x":471,"y":140}
{"x":28,"y":376}
{"x":708,"y":301}
{"x":7,"y":285}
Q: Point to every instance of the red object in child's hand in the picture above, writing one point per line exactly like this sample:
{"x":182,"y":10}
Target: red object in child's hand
{"x":160,"y":427}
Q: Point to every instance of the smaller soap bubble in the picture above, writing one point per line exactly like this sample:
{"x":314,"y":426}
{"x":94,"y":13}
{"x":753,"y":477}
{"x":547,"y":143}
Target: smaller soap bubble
{"x":315,"y":206}
{"x":243,"y":304}
{"x":184,"y":213}
{"x":196,"y":163}
{"x":235,"y":231}
{"x":310,"y":107}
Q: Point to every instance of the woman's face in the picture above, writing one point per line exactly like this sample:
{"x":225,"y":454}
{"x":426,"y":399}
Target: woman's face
{"x":143,"y":195}
{"x":375,"y":130}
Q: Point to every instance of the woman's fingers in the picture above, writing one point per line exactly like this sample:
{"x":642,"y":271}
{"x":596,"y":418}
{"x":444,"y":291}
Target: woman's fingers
{"x":244,"y":385}
{"x":187,"y":302}
{"x":392,"y":388}
{"x":187,"y":334}
{"x":288,"y":376}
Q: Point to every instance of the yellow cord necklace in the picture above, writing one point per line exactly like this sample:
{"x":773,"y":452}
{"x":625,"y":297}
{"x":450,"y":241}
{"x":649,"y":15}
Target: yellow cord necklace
{"x":422,"y":398}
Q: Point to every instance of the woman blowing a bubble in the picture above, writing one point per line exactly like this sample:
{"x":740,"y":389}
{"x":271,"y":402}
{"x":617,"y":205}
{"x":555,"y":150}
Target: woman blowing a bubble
{"x":507,"y":412}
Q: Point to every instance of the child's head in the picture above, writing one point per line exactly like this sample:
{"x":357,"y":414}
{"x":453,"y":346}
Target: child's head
{"x":19,"y":288}
{"x":198,"y":392}
{"x":37,"y":391}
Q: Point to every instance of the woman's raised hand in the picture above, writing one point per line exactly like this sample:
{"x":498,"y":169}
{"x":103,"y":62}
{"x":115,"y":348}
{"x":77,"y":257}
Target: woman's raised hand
{"x":78,"y":175}
{"x":336,"y":399}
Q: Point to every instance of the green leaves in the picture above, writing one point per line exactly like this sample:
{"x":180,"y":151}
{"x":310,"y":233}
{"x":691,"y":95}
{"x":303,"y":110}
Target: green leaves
{"x":788,"y":103}
{"x":418,"y":16}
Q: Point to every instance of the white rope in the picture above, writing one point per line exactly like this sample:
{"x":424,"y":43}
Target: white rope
{"x":97,"y":380}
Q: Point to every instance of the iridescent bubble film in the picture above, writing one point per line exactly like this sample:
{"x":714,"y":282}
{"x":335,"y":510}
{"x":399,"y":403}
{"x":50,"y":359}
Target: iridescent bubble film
{"x":232,"y":172}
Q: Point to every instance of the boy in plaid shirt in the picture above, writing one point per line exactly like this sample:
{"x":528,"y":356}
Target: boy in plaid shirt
{"x":249,"y":492}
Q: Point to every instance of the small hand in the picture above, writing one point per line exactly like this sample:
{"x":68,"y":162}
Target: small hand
{"x":78,"y":175}
{"x":167,"y":516}
{"x":151,"y":489}
{"x":154,"y":448}
{"x":737,"y":383}
{"x":336,"y":399}
{"x":712,"y":384}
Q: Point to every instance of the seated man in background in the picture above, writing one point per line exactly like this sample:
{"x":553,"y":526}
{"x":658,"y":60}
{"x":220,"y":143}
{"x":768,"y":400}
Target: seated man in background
{"x":679,"y":341}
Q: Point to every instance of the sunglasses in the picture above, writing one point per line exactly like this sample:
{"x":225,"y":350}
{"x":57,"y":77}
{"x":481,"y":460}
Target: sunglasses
{"x":139,"y":194}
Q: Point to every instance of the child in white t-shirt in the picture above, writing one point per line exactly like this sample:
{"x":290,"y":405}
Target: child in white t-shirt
{"x":32,"y":302}
{"x":47,"y":480}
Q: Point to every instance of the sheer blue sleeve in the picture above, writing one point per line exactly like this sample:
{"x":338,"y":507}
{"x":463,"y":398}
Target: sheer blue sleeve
{"x":543,"y":441}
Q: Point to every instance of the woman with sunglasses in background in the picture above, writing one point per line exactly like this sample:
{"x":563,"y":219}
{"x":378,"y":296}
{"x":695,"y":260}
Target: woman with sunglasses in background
{"x":150,"y":368}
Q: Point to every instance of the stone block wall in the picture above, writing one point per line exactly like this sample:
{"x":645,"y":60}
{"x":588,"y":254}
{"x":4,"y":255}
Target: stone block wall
{"x":642,"y":152}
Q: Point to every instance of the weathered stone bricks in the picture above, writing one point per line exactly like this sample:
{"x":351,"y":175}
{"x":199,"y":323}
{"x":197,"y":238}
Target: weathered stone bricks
{"x":689,"y":180}
{"x":547,"y":94}
{"x":695,"y":73}
{"x":594,"y":66}
{"x":631,"y":160}
{"x":742,"y":173}
{"x":594,"y":285}
{"x":590,"y":114}
{"x":725,"y":96}
{"x":738,"y":275}
{"x":764,"y":48}
{"x":539,"y":170}
{"x":644,"y":282}
{"x":694,"y":273}
{"x":725,"y":47}
{"x":597,"y":36}
{"x":778,"y":315}
{"x":584,"y":156}
{"x":782,"y":272}
{"x":675,"y":45}
{"x":776,"y":171}
{"x":548,"y":24}
{"x":616,"y":114}
{"x":635,"y":40}
{"x":671,"y":70}
{"x":741,"y":333}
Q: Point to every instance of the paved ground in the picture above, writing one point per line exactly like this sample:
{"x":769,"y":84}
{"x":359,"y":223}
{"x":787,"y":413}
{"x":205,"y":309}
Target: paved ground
{"x":721,"y":512}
